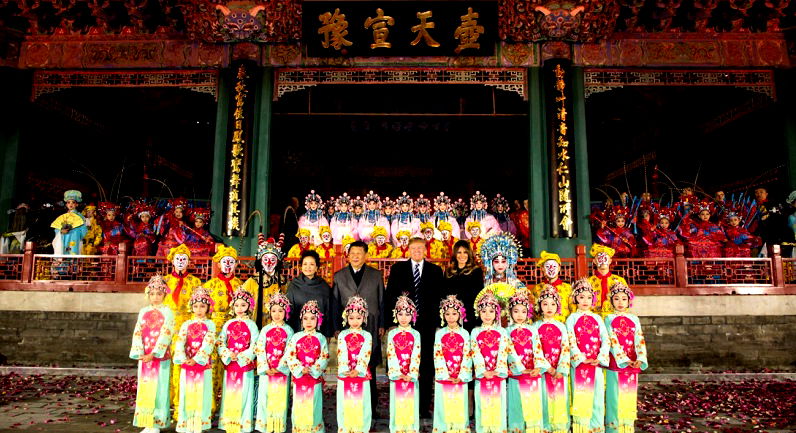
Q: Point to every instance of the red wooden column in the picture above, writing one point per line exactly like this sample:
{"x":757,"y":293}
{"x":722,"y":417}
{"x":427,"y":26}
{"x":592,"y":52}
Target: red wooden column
{"x":680,"y":268}
{"x":777,"y":271}
{"x":27,"y":263}
{"x":121,"y":264}
{"x":581,"y":262}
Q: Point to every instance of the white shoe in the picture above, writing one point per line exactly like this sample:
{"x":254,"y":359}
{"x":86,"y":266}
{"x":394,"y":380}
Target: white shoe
{"x":154,"y":430}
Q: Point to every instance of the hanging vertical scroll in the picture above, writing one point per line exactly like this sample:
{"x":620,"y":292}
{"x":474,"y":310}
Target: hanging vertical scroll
{"x":242,"y":111}
{"x":558,"y":89}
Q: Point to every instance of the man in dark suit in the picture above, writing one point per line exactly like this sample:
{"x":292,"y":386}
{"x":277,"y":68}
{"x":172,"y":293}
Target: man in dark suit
{"x":423,"y":281}
{"x":359,"y":279}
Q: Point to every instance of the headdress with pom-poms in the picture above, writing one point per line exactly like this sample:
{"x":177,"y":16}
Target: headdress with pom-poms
{"x":356,"y":304}
{"x":451,"y":301}
{"x":280,"y":299}
{"x":442,"y":199}
{"x":404,"y":199}
{"x":621,"y":288}
{"x":459,"y":208}
{"x":502,"y":244}
{"x":478,"y":197}
{"x":404,"y":303}
{"x":583,"y":286}
{"x":244,"y":294}
{"x":313,"y":197}
{"x":488,"y":299}
{"x":372,"y":197}
{"x":702,"y":206}
{"x":343,"y":199}
{"x":422,"y":201}
{"x":548,"y":292}
{"x":357,"y":202}
{"x":157,"y":284}
{"x":500,"y":200}
{"x":269,"y":246}
{"x":311,"y":307}
{"x":202,"y":295}
{"x":388,"y":203}
{"x":521,"y":297}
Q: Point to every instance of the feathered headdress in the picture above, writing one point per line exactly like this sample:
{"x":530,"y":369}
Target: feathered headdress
{"x":478,"y":197}
{"x":268,"y":246}
{"x":404,"y":199}
{"x":500,"y":200}
{"x":442,"y":199}
{"x":313,"y":197}
{"x":502,"y":244}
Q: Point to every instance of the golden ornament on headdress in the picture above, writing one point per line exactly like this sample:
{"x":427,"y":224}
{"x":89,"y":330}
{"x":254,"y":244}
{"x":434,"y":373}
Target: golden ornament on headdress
{"x":179,"y":249}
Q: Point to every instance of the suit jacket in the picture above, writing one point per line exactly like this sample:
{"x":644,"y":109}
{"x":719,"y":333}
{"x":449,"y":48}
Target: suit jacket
{"x":371,"y":288}
{"x":431,"y":291}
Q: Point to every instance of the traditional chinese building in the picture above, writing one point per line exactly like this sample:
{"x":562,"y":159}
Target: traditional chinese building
{"x":506,"y":71}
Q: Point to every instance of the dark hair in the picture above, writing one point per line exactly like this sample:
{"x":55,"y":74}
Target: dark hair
{"x":310,"y":253}
{"x":454,"y":265}
{"x":359,"y":244}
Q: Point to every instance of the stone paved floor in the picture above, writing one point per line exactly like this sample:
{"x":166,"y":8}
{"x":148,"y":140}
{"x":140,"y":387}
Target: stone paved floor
{"x":77,"y":404}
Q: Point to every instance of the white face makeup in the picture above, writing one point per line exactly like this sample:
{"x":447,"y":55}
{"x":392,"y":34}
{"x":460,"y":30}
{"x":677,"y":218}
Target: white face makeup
{"x":404,"y":240}
{"x":269,"y":262}
{"x":551,"y":269}
{"x":602,"y":259}
{"x":180,"y":262}
{"x":227,"y":265}
{"x":326,"y":237}
{"x":380,"y":240}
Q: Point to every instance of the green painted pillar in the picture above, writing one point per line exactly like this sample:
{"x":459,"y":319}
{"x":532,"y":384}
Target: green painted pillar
{"x":539,"y":197}
{"x":261,"y":157}
{"x":15,"y":87}
{"x":220,"y":155}
{"x":787,"y":103}
{"x":9,"y":145}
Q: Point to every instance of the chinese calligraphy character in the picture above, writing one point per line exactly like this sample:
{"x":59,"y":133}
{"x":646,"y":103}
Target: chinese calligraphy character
{"x":334,"y":30}
{"x":380,"y":30}
{"x":468,"y":32}
{"x":422,"y":30}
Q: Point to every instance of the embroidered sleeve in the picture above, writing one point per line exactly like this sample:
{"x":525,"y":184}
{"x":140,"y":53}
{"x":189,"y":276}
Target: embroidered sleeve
{"x":137,"y":347}
{"x":393,"y":366}
{"x":641,"y":345}
{"x":539,"y":360}
{"x":514,"y":361}
{"x":563,"y":363}
{"x":224,"y":354}
{"x":342,"y":354}
{"x":466,"y":372}
{"x":259,"y":351}
{"x":605,"y":345}
{"x":282,"y":367}
{"x":179,"y":346}
{"x":502,"y":367}
{"x":414,"y":365}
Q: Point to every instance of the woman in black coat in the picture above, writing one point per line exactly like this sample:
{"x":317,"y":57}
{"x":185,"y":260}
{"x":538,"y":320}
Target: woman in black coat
{"x":309,"y":285}
{"x":464,"y":278}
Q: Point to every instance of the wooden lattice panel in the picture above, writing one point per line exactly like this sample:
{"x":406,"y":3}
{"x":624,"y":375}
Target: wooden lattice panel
{"x":75,"y":268}
{"x":736,"y":271}
{"x":11,"y":267}
{"x":645,"y":272}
